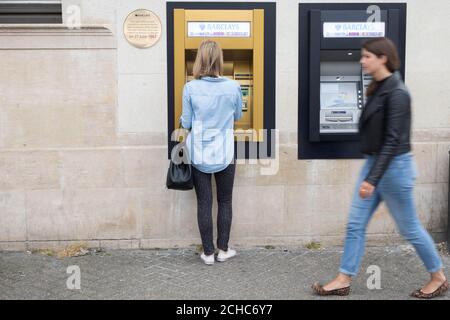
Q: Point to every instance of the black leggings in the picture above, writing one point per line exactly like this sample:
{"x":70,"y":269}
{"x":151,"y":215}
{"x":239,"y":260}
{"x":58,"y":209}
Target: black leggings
{"x":203,"y":189}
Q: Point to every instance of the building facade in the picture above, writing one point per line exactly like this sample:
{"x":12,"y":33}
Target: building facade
{"x":83,"y":138}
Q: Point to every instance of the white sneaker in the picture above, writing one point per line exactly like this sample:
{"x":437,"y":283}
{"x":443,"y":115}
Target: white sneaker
{"x":207,"y":259}
{"x":225,"y":255}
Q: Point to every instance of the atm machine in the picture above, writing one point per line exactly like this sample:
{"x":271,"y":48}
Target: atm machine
{"x":238,"y":66}
{"x":240,"y":29}
{"x":342,"y":93}
{"x":332,"y":84}
{"x":240,"y":34}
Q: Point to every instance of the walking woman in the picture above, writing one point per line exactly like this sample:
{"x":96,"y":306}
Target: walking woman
{"x":388,"y":174}
{"x":211,"y":104}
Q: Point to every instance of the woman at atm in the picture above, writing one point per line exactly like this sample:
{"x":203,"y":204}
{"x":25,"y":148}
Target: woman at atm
{"x":211,"y":105}
{"x":388,"y":173}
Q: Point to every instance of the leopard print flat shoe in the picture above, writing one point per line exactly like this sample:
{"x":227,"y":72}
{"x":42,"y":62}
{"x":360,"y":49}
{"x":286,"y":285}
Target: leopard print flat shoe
{"x":320,"y":291}
{"x":439,"y":291}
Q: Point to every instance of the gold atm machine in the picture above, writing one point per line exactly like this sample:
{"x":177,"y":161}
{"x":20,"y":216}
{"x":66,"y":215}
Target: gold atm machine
{"x":241,"y":31}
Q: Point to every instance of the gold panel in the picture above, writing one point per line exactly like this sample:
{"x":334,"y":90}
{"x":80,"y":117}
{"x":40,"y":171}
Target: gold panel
{"x":179,"y":76}
{"x":225,"y":43}
{"x":219,"y":15}
{"x":258,"y":72}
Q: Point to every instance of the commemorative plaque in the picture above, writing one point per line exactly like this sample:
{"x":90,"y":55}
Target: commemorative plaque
{"x":142,"y":28}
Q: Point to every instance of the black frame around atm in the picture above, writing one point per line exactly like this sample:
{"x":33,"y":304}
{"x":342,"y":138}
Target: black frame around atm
{"x":269,"y":64}
{"x":345,"y":146}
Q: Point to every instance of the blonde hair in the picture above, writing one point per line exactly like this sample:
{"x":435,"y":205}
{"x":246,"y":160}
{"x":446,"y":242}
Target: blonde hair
{"x":209,"y":60}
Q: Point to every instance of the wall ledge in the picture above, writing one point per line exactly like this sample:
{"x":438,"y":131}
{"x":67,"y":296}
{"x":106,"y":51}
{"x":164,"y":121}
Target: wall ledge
{"x":55,"y":36}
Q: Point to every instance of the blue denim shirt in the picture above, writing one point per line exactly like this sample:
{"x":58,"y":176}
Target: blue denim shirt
{"x":210,"y":107}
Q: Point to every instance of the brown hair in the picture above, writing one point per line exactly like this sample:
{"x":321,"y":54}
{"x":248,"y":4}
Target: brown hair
{"x":209,"y":60}
{"x":382,"y":47}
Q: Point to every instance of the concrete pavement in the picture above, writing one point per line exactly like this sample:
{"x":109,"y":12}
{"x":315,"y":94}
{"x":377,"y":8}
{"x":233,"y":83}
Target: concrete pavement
{"x":256,"y":273}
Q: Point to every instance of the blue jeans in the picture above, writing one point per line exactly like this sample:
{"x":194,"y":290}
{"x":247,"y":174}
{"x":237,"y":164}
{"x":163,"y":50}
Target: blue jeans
{"x":396,"y":189}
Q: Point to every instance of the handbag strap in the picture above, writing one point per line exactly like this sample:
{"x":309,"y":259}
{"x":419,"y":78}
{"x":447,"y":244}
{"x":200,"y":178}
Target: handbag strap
{"x":182,"y":137}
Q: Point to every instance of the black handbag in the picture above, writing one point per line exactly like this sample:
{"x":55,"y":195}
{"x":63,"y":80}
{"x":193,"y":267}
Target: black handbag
{"x":179,"y":175}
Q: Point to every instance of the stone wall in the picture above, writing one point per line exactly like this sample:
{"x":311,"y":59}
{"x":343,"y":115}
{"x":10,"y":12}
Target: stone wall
{"x":83,"y":153}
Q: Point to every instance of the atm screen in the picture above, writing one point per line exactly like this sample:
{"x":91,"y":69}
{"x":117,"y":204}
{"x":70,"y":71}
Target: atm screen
{"x":337,"y":95}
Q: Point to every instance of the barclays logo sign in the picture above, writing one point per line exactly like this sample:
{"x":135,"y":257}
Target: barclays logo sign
{"x":353,"y":29}
{"x":219,"y":29}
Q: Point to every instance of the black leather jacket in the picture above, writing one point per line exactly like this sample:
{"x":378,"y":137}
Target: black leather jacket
{"x":385,"y":125}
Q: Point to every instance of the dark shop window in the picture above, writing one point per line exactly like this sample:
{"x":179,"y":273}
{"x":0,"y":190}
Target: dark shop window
{"x":18,"y":11}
